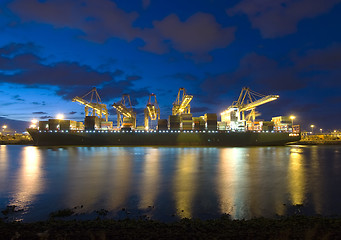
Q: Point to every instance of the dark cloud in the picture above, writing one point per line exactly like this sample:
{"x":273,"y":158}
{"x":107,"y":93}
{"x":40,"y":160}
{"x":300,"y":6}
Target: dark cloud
{"x":72,"y":78}
{"x":13,"y":48}
{"x":279,"y":18}
{"x":18,"y":98}
{"x":100,"y":20}
{"x":199,"y":34}
{"x":328,"y":59}
{"x":133,"y":78}
{"x":29,"y":69}
{"x":46,"y":117}
{"x":72,"y":113}
{"x":256,"y":72}
{"x":185,"y":76}
{"x":39,"y":103}
{"x":145,"y":3}
{"x":40,"y":113}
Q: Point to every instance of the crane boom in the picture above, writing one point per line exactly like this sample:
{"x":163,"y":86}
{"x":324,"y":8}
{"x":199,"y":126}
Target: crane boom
{"x":152,"y":111}
{"x":248,"y":100}
{"x":97,"y":107}
{"x":181,"y":103}
{"x":259,"y":102}
{"x":122,"y":109}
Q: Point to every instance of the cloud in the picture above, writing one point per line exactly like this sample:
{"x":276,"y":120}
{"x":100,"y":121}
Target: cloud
{"x":276,"y":18}
{"x":13,"y":48}
{"x":72,"y":78}
{"x":199,"y":34}
{"x":318,"y":67}
{"x":40,"y":113}
{"x":328,"y":59}
{"x":185,"y":76}
{"x":133,"y":78}
{"x":100,"y":20}
{"x":145,"y":3}
{"x":39,"y":103}
{"x":27,"y":68}
{"x":18,"y":98}
{"x":46,"y":117}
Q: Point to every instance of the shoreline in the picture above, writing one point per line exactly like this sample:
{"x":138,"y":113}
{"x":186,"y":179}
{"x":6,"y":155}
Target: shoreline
{"x":288,"y":227}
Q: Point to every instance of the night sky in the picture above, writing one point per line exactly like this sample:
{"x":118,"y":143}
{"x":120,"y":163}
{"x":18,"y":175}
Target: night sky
{"x":53,"y":50}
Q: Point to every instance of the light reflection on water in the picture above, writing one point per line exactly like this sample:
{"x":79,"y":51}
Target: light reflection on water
{"x":150,"y":178}
{"x":185,"y":182}
{"x":28,"y":180}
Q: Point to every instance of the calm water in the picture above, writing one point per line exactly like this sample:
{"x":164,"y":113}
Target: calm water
{"x":169,"y":183}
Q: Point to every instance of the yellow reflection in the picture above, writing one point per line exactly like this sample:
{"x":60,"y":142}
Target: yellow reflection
{"x":3,"y":167}
{"x":317,"y":181}
{"x":150,"y":179}
{"x":226,"y":179}
{"x":86,"y":182}
{"x":29,"y":178}
{"x":185,"y":182}
{"x":230,"y":181}
{"x":120,"y":183}
{"x":296,"y":177}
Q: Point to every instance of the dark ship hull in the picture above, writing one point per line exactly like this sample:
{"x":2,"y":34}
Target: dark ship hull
{"x":161,"y":138}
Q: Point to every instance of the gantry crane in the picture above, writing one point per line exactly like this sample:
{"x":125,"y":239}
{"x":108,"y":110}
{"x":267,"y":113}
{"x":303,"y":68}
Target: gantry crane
{"x":125,"y":109}
{"x":152,"y":111}
{"x":95,"y":104}
{"x":181,"y":104}
{"x":248,"y":101}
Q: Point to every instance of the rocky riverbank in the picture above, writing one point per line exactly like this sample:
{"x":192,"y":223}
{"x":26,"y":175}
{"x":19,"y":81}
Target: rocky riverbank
{"x":293,"y":227}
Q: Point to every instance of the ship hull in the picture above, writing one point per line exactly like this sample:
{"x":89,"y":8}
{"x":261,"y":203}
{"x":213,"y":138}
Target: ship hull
{"x":160,"y":138}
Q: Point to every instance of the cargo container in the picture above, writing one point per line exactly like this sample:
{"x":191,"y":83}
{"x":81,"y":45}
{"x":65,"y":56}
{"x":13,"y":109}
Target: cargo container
{"x":210,"y":117}
{"x":106,"y":125}
{"x":67,"y":125}
{"x":222,"y":125}
{"x":162,"y":124}
{"x":198,"y":123}
{"x":43,"y":125}
{"x":79,"y":126}
{"x":54,"y":124}
{"x":128,"y":122}
{"x":92,"y":123}
{"x":174,"y":122}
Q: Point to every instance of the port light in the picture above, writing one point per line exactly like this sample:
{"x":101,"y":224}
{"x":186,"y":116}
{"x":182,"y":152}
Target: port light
{"x":60,"y":116}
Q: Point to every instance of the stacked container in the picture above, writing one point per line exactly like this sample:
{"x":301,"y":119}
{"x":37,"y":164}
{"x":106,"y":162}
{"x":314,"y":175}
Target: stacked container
{"x":92,"y":123}
{"x":79,"y":126}
{"x":43,"y":125}
{"x":211,"y":121}
{"x":222,"y":126}
{"x":198,"y":123}
{"x":186,"y":121}
{"x":128,"y":123}
{"x":162,"y":124}
{"x":106,"y":125}
{"x":174,"y":122}
{"x":54,"y":124}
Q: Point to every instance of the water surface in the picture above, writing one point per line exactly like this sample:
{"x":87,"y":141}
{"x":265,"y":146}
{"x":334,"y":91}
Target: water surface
{"x":169,"y":183}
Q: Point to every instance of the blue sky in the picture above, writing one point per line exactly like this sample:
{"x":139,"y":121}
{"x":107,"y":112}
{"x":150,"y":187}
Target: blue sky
{"x":53,"y":50}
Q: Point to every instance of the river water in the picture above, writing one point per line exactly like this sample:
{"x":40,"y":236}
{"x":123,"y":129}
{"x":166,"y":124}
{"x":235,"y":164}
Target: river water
{"x":166,"y":183}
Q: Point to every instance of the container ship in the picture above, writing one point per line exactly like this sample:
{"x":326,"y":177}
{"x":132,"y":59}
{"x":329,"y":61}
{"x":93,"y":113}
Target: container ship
{"x":238,"y":125}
